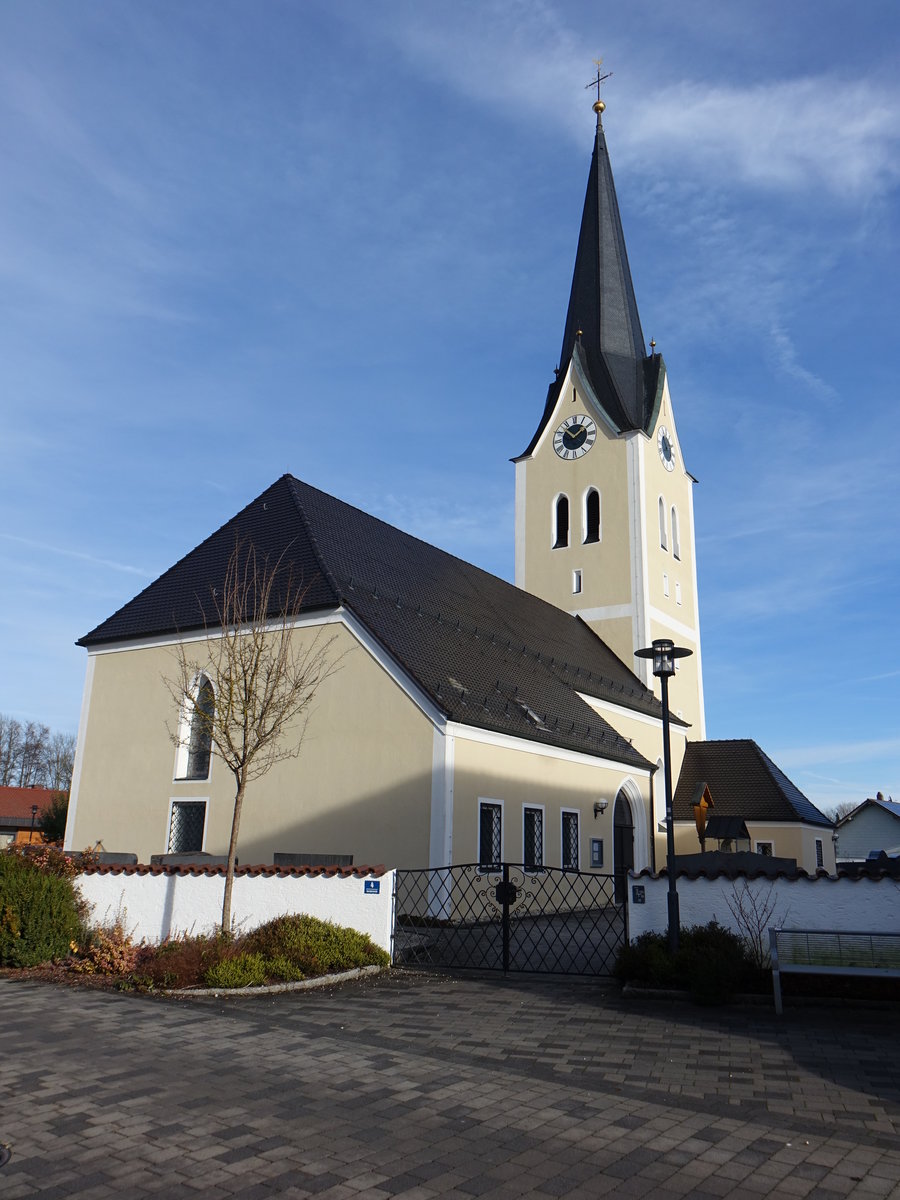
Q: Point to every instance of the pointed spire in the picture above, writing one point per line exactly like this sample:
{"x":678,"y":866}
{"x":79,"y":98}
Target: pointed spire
{"x":603,"y":328}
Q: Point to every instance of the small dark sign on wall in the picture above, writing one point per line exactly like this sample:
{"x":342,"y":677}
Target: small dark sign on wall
{"x":372,"y":887}
{"x":637,"y":893}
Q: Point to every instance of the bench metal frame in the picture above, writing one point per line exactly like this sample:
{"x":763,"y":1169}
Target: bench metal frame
{"x":832,"y":952}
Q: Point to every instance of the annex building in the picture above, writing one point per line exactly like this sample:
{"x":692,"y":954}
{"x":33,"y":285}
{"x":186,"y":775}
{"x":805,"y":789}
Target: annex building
{"x":470,"y":720}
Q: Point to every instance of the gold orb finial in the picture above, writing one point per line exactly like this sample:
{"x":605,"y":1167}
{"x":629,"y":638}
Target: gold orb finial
{"x":599,"y":107}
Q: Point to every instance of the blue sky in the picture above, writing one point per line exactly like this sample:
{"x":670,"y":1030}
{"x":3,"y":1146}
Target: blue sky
{"x":336,"y":239}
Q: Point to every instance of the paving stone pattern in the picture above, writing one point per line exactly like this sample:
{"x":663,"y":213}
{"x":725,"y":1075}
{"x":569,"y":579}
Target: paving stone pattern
{"x":417,"y":1086}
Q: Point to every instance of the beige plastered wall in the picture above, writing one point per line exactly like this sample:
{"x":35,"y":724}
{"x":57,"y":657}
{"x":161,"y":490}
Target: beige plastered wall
{"x":667,"y":617}
{"x":605,"y":565}
{"x":361,"y":784}
{"x":518,"y":778}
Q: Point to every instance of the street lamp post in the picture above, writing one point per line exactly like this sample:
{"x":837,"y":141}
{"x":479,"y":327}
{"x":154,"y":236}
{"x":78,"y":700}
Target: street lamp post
{"x":33,"y":815}
{"x":664,"y":653}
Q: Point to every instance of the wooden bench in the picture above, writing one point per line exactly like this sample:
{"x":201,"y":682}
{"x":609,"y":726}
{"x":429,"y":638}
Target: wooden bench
{"x":831,"y":952}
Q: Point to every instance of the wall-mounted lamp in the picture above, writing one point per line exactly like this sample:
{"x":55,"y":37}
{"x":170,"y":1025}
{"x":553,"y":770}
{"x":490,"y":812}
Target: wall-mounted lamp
{"x":600,"y":806}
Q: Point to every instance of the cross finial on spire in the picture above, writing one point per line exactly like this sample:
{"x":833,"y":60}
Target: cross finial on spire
{"x":598,"y":106}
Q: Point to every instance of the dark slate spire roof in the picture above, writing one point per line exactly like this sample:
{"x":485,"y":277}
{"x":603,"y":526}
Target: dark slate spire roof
{"x":743,"y":782}
{"x":486,"y":653}
{"x":609,"y":353}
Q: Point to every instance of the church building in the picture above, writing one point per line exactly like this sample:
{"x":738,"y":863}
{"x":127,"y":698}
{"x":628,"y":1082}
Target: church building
{"x":468,"y":720}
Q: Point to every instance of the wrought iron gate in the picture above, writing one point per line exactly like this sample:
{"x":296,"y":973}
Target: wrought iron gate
{"x":508,"y":917}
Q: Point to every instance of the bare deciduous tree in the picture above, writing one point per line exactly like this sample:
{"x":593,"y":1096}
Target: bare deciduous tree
{"x":59,"y":761}
{"x":264,"y":674}
{"x":753,"y":910}
{"x":32,"y":756}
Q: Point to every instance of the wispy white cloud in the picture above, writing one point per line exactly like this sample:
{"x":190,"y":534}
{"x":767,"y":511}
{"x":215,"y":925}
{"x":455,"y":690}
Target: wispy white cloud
{"x":837,"y":752}
{"x":782,"y":135}
{"x":65,"y":552}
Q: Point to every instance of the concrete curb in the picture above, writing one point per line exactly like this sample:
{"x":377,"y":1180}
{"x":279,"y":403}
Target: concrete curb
{"x":273,"y":989}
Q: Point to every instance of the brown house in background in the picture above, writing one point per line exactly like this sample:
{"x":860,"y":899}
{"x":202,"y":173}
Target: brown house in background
{"x":20,"y":811}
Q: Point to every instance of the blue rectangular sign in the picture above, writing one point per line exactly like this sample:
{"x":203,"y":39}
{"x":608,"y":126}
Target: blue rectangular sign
{"x":372,"y":887}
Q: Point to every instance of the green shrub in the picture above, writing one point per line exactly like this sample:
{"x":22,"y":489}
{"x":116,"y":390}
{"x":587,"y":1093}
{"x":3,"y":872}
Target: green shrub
{"x":286,"y":949}
{"x":244,"y":970}
{"x":712,"y":963}
{"x":180,"y":961}
{"x":251,"y":970}
{"x":40,"y":913}
{"x":646,"y":961}
{"x":315,"y":947}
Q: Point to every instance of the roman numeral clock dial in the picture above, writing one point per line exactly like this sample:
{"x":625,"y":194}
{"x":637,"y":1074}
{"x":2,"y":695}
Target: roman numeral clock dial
{"x":575,"y":436}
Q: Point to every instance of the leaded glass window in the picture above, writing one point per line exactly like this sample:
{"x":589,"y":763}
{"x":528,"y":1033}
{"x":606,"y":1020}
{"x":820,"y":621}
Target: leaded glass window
{"x":186,"y":830}
{"x":570,"y":841}
{"x":490,"y":840}
{"x":534,"y":838}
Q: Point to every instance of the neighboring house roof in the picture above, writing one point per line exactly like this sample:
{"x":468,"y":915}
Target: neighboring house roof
{"x":743,"y":782}
{"x":486,"y":653}
{"x":603,"y":329}
{"x":889,"y":806}
{"x":16,"y":802}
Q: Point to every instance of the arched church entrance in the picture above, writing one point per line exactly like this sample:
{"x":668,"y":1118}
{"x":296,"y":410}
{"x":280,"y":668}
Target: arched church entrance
{"x":623,"y":844}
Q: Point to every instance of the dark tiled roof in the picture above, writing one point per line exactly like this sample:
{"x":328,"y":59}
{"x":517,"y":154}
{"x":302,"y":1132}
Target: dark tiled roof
{"x":487,"y":653}
{"x":743,"y":782}
{"x":603,"y":328}
{"x":720,"y":828}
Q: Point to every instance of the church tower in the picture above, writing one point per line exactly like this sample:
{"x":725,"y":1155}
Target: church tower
{"x":604,"y":502}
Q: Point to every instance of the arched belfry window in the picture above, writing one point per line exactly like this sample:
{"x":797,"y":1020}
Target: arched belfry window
{"x":561,"y":522}
{"x":199,"y":713}
{"x":592,"y":516}
{"x":676,"y":538}
{"x":663,"y":538}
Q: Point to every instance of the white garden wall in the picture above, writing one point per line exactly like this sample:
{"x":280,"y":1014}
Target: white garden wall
{"x":860,"y":905}
{"x":154,"y":906}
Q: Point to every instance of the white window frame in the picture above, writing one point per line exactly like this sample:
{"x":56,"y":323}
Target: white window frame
{"x":563,"y":813}
{"x":820,"y":854}
{"x":676,"y":535}
{"x":663,"y":526}
{"x":543,"y":863}
{"x":185,"y":720}
{"x":765,"y":842}
{"x":677,"y":592}
{"x":498,"y":804}
{"x":173,"y":800}
{"x":665,"y":583}
{"x":554,"y":522}
{"x":584,"y":516}
{"x":577,"y":581}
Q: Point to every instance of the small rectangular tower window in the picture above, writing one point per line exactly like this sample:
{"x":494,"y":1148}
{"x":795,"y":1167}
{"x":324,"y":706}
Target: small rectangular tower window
{"x":576,"y":582}
{"x":820,"y":855}
{"x":665,"y":584}
{"x":677,"y":592}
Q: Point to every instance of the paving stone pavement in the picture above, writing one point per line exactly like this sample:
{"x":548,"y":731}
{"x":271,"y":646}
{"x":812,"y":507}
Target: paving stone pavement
{"x":418,"y":1086}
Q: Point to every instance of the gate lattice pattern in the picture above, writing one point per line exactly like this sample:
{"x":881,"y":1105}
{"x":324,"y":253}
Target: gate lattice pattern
{"x":508,"y":917}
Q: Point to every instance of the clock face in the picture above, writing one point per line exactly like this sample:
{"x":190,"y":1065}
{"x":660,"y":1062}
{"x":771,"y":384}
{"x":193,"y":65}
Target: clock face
{"x":575,"y":436}
{"x":666,"y":448}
